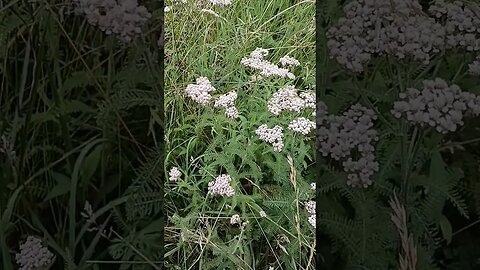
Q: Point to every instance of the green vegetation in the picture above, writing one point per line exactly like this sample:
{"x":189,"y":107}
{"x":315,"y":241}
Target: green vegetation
{"x":202,"y":142}
{"x":80,"y":138}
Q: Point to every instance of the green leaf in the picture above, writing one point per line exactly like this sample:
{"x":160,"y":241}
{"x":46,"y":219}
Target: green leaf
{"x":446,"y":228}
{"x":437,"y":168}
{"x":73,"y":194}
{"x":90,"y":164}
{"x":61,"y":187}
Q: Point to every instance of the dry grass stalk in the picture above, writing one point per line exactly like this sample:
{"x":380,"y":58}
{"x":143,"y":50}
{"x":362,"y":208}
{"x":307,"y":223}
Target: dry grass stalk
{"x":408,"y":259}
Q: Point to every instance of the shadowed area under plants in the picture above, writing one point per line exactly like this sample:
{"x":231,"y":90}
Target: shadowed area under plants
{"x":80,"y":134}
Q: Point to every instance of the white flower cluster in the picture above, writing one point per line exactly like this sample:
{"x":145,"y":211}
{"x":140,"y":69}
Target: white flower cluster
{"x":311,"y":207}
{"x":460,"y":22}
{"x":263,"y":214}
{"x":400,"y":28}
{"x":437,"y":105}
{"x":174,"y":174}
{"x":220,"y":2}
{"x":124,"y":18}
{"x":474,"y":67}
{"x":313,"y":221}
{"x":309,"y":99}
{"x":339,"y":136}
{"x":33,"y":255}
{"x":313,"y":186}
{"x":273,"y":136}
{"x":235,"y":219}
{"x":378,"y":27}
{"x":227,"y":101}
{"x":287,"y":99}
{"x":256,"y":61}
{"x":289,"y":61}
{"x":221,"y":186}
{"x":200,"y":92}
{"x":301,"y":125}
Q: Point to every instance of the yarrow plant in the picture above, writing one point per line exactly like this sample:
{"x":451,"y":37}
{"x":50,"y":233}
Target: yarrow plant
{"x":234,"y":145}
{"x":400,"y":81}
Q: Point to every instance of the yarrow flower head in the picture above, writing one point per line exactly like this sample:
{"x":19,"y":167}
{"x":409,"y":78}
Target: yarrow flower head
{"x":221,"y":186}
{"x":227,"y":101}
{"x":302,"y":125}
{"x":200,"y":92}
{"x":370,"y":28}
{"x":338,"y":136}
{"x":313,"y":221}
{"x":438,"y":105}
{"x":309,"y":99}
{"x":232,"y":112}
{"x":287,"y":99}
{"x":174,"y":174}
{"x":313,"y":186}
{"x":263,"y":214}
{"x":311,"y":207}
{"x":474,"y":67}
{"x":33,"y":255}
{"x":256,"y":61}
{"x":273,"y":136}
{"x":235,"y":219}
{"x":289,"y":61}
{"x":124,"y":18}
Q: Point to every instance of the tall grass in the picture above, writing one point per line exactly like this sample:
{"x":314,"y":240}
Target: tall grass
{"x":79,"y":109}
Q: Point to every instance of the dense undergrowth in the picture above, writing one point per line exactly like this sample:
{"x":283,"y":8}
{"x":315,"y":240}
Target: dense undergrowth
{"x":80,"y":152}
